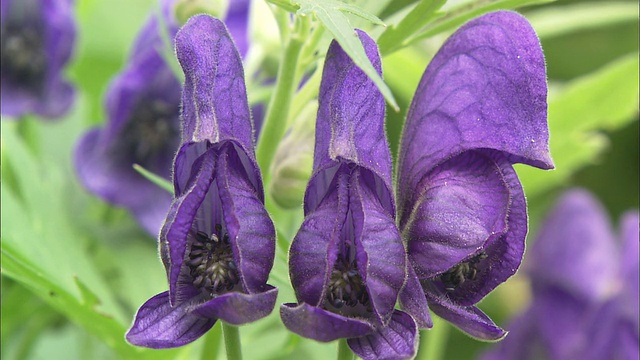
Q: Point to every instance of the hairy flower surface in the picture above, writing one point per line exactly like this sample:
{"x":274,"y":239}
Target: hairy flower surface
{"x":37,"y":41}
{"x":480,"y":107}
{"x":347,"y":261}
{"x":585,"y":287}
{"x":143,"y":110}
{"x":218,"y":242}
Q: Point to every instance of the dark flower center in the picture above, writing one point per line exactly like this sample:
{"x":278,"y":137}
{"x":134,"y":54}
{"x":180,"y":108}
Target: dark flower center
{"x":211,"y":263}
{"x":346,"y":286}
{"x":23,"y":56}
{"x":152,"y":129}
{"x":462,"y":272}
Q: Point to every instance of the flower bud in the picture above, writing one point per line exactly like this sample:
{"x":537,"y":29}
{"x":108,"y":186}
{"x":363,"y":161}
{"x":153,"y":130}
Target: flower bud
{"x":293,"y":160}
{"x":187,"y":8}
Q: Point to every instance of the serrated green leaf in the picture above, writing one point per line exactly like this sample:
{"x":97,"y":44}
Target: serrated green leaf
{"x":556,"y":21}
{"x":603,"y":101}
{"x":395,"y":36}
{"x":338,"y":24}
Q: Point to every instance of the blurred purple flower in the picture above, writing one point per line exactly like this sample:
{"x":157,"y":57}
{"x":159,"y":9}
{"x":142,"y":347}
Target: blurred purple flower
{"x":479,"y":108}
{"x":585,"y":287}
{"x":218,"y":242}
{"x":37,"y":40}
{"x":143,"y":105}
{"x":347,"y":262}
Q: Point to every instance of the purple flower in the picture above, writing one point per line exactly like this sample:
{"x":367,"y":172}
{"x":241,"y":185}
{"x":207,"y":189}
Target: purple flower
{"x":347,"y":261}
{"x":218,"y":242}
{"x":479,"y":108}
{"x":143,"y":108}
{"x":585,"y":287}
{"x":37,"y":41}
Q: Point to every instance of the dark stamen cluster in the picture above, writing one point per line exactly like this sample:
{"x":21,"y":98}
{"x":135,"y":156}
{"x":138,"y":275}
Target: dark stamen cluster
{"x":462,"y":272}
{"x":346,"y":286}
{"x":23,"y":56}
{"x":152,"y":128}
{"x":211,"y":263}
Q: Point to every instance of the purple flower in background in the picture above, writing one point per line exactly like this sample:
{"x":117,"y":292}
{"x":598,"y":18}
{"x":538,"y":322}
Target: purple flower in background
{"x":585,"y":287}
{"x":37,"y":41}
{"x":218,"y":242}
{"x":347,"y":262}
{"x":479,"y":108}
{"x":143,"y":108}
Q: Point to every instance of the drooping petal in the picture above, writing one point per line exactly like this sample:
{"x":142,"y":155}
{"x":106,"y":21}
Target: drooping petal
{"x":315,"y":247}
{"x":380,"y":253}
{"x":252,"y":234}
{"x":467,"y":318}
{"x":397,"y":340}
{"x":321,"y":325}
{"x":159,"y":325}
{"x":485,"y":89}
{"x":459,"y":206}
{"x":414,"y":302}
{"x":237,"y":308}
{"x":577,"y":229}
{"x":350,"y":123}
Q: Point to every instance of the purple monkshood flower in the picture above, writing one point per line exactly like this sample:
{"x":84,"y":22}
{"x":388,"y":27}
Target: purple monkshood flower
{"x":218,"y":242}
{"x":347,"y":261}
{"x":585,"y":287}
{"x":143,"y":108}
{"x":480,"y":107}
{"x":37,"y":41}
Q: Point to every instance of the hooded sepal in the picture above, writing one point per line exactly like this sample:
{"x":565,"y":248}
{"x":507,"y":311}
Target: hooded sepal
{"x":159,"y":325}
{"x":396,"y":341}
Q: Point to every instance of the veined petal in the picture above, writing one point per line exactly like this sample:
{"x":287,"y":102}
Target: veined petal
{"x":314,"y":249}
{"x":215,"y":105}
{"x":322,"y":325}
{"x":252,"y":234}
{"x":467,"y":318}
{"x":414,"y":302}
{"x":237,"y":308}
{"x":350,"y":123}
{"x":485,"y":89}
{"x":380,"y":253}
{"x":159,"y":325}
{"x":577,"y":229}
{"x":459,"y":206}
{"x":397,"y":340}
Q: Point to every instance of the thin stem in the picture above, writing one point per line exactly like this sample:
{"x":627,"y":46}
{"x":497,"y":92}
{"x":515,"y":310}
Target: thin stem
{"x":278,"y":110}
{"x":212,"y":342}
{"x":344,"y":352}
{"x":232,"y":341}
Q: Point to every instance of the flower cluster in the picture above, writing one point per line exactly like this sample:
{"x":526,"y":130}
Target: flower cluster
{"x":458,"y":230}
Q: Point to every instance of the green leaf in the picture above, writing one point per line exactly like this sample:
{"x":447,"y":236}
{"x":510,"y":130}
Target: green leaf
{"x":559,"y":20}
{"x":603,"y":101}
{"x":330,"y":13}
{"x":395,"y":36}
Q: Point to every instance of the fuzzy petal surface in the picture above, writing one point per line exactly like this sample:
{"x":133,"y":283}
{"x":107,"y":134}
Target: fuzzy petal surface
{"x":414,"y":302}
{"x":484,"y":89}
{"x":398,"y":340}
{"x":321,"y":325}
{"x":237,"y":308}
{"x":159,"y":325}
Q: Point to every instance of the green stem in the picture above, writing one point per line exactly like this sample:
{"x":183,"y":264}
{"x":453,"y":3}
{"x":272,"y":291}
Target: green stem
{"x":344,"y":352}
{"x":232,"y":341}
{"x":212,"y":343}
{"x":274,"y":127}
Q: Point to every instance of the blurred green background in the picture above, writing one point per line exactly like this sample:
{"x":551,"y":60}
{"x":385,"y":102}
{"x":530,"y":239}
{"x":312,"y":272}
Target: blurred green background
{"x":84,"y":267}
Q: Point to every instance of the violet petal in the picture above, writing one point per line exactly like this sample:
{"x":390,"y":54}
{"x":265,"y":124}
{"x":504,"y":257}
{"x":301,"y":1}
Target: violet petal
{"x":398,"y":340}
{"x":159,"y":325}
{"x":321,"y":325}
{"x":237,"y":308}
{"x":414,"y":302}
